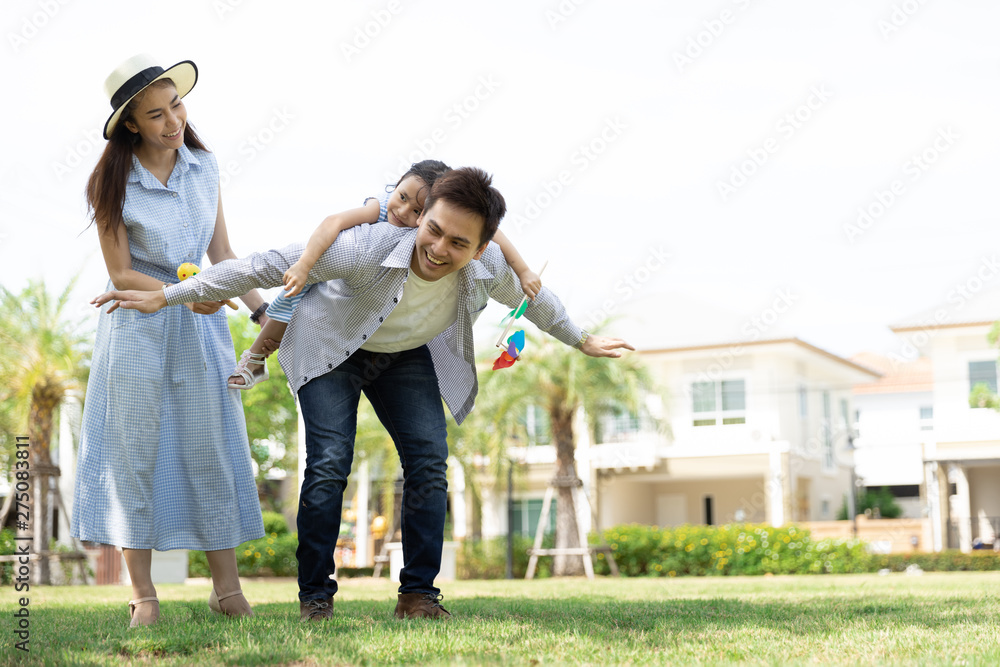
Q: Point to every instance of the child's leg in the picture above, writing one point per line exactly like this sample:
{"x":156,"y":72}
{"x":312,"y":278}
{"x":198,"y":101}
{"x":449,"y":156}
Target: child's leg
{"x":272,"y":330}
{"x":279,"y":314}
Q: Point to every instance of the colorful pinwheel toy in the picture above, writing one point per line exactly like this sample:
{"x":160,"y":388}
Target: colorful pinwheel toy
{"x":515,"y":343}
{"x":512,"y":345}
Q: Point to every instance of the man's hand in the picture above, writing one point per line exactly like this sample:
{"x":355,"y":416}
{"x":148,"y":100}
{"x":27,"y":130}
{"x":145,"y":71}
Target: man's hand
{"x":144,"y":302}
{"x":205,"y":307}
{"x":602,"y":346}
{"x":269,"y":346}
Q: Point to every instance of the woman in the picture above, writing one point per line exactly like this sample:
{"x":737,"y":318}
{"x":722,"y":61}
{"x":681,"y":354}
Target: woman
{"x":164,"y":460}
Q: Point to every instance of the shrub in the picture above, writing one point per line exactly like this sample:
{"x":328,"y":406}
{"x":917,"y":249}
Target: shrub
{"x":951,"y":560}
{"x":274,"y":523}
{"x":271,"y":556}
{"x":881,"y":500}
{"x":7,"y":548}
{"x":747,"y":549}
{"x":733,"y":549}
{"x":487,"y":559}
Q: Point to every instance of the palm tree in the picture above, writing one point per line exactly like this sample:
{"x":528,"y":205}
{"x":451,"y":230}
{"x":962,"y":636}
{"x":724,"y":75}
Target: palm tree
{"x":44,"y":354}
{"x":560,"y":381}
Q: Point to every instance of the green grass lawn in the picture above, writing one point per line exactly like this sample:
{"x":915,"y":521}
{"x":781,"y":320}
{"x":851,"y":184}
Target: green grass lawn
{"x":948,"y":618}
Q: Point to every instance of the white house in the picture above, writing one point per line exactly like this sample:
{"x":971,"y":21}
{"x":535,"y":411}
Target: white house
{"x":893,"y":417}
{"x":758,"y":431}
{"x":961,"y":453}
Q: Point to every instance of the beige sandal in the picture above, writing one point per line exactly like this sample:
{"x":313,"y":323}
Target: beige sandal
{"x":136,"y":623}
{"x":250,"y":378}
{"x":215,"y":600}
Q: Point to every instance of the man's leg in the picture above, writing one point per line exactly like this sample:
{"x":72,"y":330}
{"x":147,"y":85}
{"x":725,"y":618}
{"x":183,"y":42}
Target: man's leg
{"x":329,"y":406}
{"x":407,"y":400}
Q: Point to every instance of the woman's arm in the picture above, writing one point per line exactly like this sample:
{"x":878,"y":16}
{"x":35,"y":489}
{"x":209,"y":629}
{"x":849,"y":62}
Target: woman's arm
{"x":530,"y":281}
{"x":321,"y":239}
{"x":119,"y":262}
{"x":124,"y":277}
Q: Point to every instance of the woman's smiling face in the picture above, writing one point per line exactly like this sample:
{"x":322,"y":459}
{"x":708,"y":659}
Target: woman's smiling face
{"x":159,"y":118}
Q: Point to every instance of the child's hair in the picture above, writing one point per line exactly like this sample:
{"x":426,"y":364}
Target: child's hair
{"x":427,"y":171}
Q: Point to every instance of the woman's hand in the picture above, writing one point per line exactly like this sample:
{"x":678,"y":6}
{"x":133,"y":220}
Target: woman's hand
{"x":143,"y":301}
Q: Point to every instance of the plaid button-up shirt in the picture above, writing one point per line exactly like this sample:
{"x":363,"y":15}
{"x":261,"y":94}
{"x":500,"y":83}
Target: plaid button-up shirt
{"x":360,"y":280}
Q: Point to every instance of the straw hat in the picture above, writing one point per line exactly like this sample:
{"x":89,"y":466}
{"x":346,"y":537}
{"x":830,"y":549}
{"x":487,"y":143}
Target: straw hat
{"x":135,"y":74}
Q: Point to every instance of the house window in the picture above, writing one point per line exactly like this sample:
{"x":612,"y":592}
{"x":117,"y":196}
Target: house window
{"x":983,"y":372}
{"x":722,"y":402}
{"x":536,"y":425}
{"x":845,"y":414}
{"x":827,"y":432}
{"x":527,"y":512}
{"x":927,"y":418}
{"x":803,"y":401}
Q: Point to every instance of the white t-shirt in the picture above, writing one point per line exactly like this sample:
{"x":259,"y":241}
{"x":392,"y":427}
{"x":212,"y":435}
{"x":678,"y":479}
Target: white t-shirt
{"x":426,"y":309}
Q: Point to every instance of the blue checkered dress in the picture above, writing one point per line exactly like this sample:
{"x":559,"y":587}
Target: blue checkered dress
{"x":164,"y":461}
{"x":282,"y":307}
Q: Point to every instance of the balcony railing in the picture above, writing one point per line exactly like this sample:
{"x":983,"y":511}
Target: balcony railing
{"x":625,"y":428}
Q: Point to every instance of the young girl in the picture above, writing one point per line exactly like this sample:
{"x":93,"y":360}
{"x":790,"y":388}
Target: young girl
{"x":400,"y":207}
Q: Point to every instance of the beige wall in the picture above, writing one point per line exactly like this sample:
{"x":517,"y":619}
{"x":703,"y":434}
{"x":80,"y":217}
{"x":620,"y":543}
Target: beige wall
{"x":621,"y":500}
{"x":883,"y":535}
{"x":822,"y":486}
{"x":625,"y":500}
{"x":984,"y":490}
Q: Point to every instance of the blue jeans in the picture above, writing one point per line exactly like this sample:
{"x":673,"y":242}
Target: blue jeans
{"x":403,"y":389}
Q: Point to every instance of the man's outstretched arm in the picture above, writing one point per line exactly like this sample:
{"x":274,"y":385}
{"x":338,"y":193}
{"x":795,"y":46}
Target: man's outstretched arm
{"x":603,"y":346}
{"x":547,"y":312}
{"x":232,"y":277}
{"x":235,"y":277}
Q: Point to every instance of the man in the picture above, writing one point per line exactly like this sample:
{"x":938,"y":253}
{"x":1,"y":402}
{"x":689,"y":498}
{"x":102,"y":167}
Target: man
{"x":392,"y":316}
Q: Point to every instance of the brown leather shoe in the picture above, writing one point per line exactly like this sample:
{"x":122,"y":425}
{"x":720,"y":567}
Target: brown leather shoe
{"x":320,"y":609}
{"x":421,"y":605}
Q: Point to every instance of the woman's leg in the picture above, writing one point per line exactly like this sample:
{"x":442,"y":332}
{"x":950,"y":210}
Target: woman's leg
{"x":138,"y":562}
{"x":225,"y":580}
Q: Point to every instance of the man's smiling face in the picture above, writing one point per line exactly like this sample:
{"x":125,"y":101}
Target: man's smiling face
{"x":447,"y":239}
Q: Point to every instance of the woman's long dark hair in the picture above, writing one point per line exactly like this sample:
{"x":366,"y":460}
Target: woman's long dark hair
{"x":106,"y":185}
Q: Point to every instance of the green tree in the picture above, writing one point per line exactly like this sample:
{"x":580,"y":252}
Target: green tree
{"x":881,"y":503}
{"x":560,"y":381}
{"x":45,"y":353}
{"x":271,"y":416}
{"x":982,"y":395}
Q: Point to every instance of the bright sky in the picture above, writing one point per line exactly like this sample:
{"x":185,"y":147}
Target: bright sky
{"x":696,"y":166}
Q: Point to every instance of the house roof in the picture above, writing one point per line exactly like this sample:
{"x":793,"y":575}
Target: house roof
{"x":897,"y":377}
{"x":768,"y":341}
{"x":964,"y":308}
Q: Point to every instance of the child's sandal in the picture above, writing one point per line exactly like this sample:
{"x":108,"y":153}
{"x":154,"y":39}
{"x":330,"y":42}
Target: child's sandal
{"x":250,"y":378}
